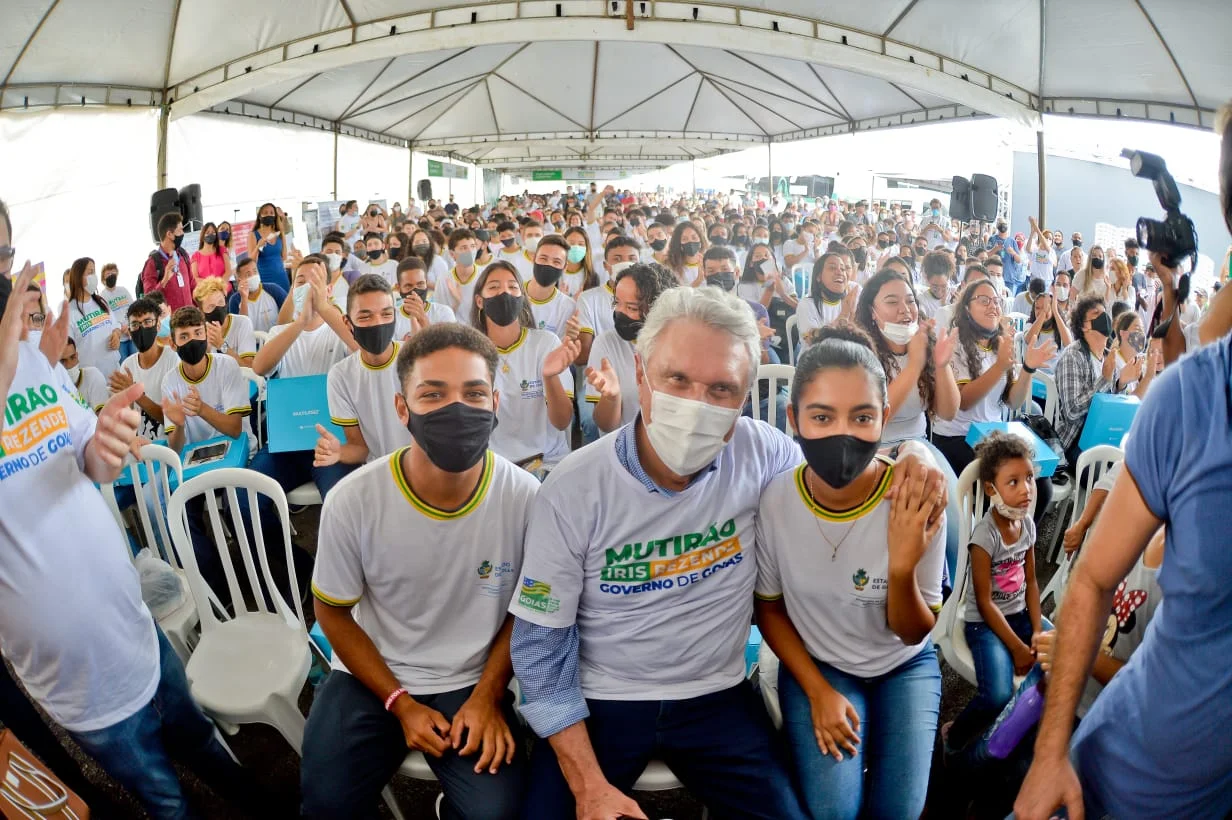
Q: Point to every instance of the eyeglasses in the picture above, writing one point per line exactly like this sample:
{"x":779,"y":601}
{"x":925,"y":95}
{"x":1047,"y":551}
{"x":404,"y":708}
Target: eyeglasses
{"x":987,"y":301}
{"x":7,"y":252}
{"x":37,"y":319}
{"x":145,"y":323}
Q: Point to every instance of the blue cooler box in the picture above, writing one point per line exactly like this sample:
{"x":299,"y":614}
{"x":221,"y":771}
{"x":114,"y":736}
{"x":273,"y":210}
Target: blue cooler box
{"x":1045,"y":459}
{"x":1108,"y":420}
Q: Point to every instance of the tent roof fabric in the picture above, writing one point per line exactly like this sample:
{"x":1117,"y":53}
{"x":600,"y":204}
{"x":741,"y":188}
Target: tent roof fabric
{"x":619,"y":83}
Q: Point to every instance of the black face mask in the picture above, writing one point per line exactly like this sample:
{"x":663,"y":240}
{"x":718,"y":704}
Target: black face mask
{"x":828,"y":295}
{"x":776,"y":236}
{"x":986,"y":332}
{"x":502,"y":309}
{"x":1132,"y":261}
{"x":1077,"y":243}
{"x":723,"y":281}
{"x":218,"y":314}
{"x":508,"y":243}
{"x":376,"y":255}
{"x":883,"y":243}
{"x":395,"y":254}
{"x":374,"y":339}
{"x":838,"y":460}
{"x":110,"y":281}
{"x":143,"y":338}
{"x":860,"y":255}
{"x":1102,"y":324}
{"x":179,"y":240}
{"x":421,"y":250}
{"x":268,"y":221}
{"x":453,"y":437}
{"x":1097,"y":264}
{"x":422,"y":293}
{"x":191,"y":353}
{"x":547,"y":275}
{"x":626,"y":328}
{"x":361,"y":253}
{"x":658,"y":245}
{"x":210,"y":238}
{"x":718,"y":241}
{"x":482,"y":235}
{"x":691,"y":248}
{"x":224,"y":236}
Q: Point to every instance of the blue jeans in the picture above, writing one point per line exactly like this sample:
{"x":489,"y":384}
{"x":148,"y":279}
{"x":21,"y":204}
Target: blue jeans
{"x":720,"y":746}
{"x":898,"y":721}
{"x":994,"y":675}
{"x":352,"y":747}
{"x":586,"y":417}
{"x":137,"y":751}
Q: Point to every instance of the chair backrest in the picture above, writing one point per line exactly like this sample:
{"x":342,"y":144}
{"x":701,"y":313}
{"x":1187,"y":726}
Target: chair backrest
{"x":793,"y":336}
{"x":261,"y":336}
{"x":1050,"y":395}
{"x":970,"y":511}
{"x":163,"y":473}
{"x":229,"y":482}
{"x":1020,"y":320}
{"x":773,"y":374}
{"x":1092,"y":465}
{"x":259,"y":381}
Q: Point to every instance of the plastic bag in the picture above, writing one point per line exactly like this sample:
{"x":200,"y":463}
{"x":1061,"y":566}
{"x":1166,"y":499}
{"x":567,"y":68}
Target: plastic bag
{"x":160,"y":586}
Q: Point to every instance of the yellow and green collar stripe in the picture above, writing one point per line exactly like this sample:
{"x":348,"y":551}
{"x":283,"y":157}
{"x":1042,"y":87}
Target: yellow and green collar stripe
{"x":841,"y":516}
{"x":395,"y":466}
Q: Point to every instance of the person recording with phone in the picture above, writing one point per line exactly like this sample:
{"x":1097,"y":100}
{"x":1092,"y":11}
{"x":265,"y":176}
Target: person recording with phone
{"x":1154,"y":744}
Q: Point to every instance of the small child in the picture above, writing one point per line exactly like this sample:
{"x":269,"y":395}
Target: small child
{"x":1003,"y":606}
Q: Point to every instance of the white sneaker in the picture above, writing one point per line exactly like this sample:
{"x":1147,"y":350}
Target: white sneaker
{"x":440,"y":798}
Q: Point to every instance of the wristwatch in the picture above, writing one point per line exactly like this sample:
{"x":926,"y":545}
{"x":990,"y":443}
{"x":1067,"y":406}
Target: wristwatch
{"x":224,"y":348}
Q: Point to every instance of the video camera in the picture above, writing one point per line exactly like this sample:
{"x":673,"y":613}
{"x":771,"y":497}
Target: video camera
{"x":1173,"y":238}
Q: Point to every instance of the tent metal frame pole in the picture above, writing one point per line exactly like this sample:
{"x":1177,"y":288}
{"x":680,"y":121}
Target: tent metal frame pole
{"x":1043,"y":177}
{"x":769,"y":173}
{"x":335,"y":188}
{"x":163,"y":118}
{"x":410,"y":173}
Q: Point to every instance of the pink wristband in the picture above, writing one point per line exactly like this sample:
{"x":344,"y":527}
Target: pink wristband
{"x":393,"y":696}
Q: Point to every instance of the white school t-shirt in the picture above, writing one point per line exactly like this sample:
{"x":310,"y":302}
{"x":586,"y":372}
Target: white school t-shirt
{"x":552,"y":313}
{"x":689,"y":275}
{"x":1043,"y":263}
{"x":262,"y":310}
{"x":312,"y":353}
{"x":239,"y":337}
{"x":438,"y":269}
{"x":1009,"y":575}
{"x":521,"y":260}
{"x":72,"y":621}
{"x":910,"y":421}
{"x":928,"y":304}
{"x":524,"y":429}
{"x":809,"y":318}
{"x":223,"y":387}
{"x":463,"y":307}
{"x":362,"y":395}
{"x":90,"y":328}
{"x":661,"y":589}
{"x":619,"y":355}
{"x":118,"y":299}
{"x":438,"y":314}
{"x":595,"y":306}
{"x":837,"y":598}
{"x":987,"y":408}
{"x":92,"y":388}
{"x":152,"y":381}
{"x":387,"y":270}
{"x":573,"y":282}
{"x":430,"y":587}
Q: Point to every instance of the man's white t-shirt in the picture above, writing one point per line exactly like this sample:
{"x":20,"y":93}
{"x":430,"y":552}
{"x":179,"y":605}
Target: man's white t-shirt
{"x":152,"y":381}
{"x":223,"y":387}
{"x":430,"y":587}
{"x":986,"y":409}
{"x":437,"y":314}
{"x":312,"y":353}
{"x":660,"y":588}
{"x":90,"y":328}
{"x":92,"y":388}
{"x":387,"y":270}
{"x":619,"y":355}
{"x":437,"y":270}
{"x":595,"y":306}
{"x":238,"y":336}
{"x":524,"y":430}
{"x":362,"y":395}
{"x":72,"y":621}
{"x":928,"y":304}
{"x":262,"y":310}
{"x":553,"y":313}
{"x":836,"y":597}
{"x":1043,"y":264}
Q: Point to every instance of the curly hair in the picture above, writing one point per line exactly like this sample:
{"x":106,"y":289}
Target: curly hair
{"x":1078,"y":317}
{"x":968,"y":337}
{"x":889,"y":359}
{"x":652,"y":279}
{"x":996,"y":449}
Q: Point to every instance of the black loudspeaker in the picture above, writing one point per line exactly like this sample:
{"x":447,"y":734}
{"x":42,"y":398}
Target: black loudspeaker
{"x":960,"y":200}
{"x":425,"y":190}
{"x":162,"y":202}
{"x":983,"y":197}
{"x":190,"y":207}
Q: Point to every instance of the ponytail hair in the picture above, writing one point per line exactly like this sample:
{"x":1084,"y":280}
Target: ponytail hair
{"x":840,"y":346}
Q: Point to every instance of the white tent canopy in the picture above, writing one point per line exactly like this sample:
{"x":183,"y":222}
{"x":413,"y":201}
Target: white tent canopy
{"x":618,"y":83}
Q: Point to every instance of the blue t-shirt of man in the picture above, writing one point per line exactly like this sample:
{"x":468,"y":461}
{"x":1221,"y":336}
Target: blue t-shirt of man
{"x":1157,"y":742}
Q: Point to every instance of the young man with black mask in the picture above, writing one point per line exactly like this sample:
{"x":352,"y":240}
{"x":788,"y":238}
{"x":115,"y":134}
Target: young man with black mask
{"x":148,"y":366}
{"x":421,"y":646}
{"x":553,"y":310}
{"x":362,"y":385}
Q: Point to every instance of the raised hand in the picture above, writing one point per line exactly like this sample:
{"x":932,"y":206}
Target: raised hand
{"x":13,"y":324}
{"x":192,"y":402}
{"x":328,"y":450}
{"x":604,"y":379}
{"x":55,"y":336}
{"x":173,"y":409}
{"x":1038,"y":356}
{"x":558,"y":360}
{"x":573,"y":327}
{"x":944,"y":347}
{"x":213,"y":335}
{"x":117,"y":427}
{"x":119,"y":380}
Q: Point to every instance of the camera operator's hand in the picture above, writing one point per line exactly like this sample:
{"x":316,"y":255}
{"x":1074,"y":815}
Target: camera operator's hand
{"x":1167,"y":275}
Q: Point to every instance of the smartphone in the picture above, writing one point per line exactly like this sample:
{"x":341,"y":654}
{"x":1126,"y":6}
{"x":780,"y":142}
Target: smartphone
{"x":207,"y":455}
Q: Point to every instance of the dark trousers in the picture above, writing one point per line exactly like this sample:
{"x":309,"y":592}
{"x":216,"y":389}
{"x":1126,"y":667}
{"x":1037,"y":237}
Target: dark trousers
{"x":720,"y":746}
{"x":352,"y":747}
{"x":959,"y":453}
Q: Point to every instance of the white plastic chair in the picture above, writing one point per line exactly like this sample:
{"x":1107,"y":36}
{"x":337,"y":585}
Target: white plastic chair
{"x":1020,"y":320}
{"x":1092,"y":465}
{"x":305,"y":495}
{"x":249,"y":668}
{"x":768,"y":682}
{"x":261,"y":336}
{"x":948,"y":631}
{"x":793,"y":333}
{"x":259,"y":381}
{"x":774,"y":373}
{"x":1050,"y":395}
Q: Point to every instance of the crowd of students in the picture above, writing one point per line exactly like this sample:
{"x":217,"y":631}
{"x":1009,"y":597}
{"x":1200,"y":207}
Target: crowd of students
{"x":464,"y":539}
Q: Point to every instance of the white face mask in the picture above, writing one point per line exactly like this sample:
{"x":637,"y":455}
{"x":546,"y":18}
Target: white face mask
{"x":34,"y":337}
{"x":619,"y":268}
{"x":74,"y":372}
{"x":899,"y":334}
{"x":1062,"y":293}
{"x":1012,"y":513}
{"x":686,"y":434}
{"x":335,"y":261}
{"x":531,"y":243}
{"x":299,"y":296}
{"x":92,"y":283}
